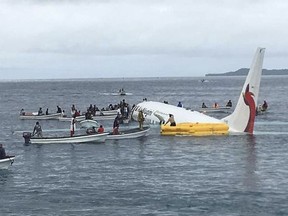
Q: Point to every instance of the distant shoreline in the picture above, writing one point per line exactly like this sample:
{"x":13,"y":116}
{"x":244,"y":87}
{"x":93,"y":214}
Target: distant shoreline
{"x":244,"y":72}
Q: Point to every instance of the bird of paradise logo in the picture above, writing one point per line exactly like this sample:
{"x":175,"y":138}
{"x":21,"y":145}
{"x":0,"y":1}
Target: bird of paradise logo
{"x":249,"y":101}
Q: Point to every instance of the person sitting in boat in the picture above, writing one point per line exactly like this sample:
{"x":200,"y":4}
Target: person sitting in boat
{"x":264,"y":106}
{"x":22,"y":112}
{"x":91,"y":130}
{"x":116,"y":125}
{"x":100,"y":129}
{"x":229,"y":103}
{"x":215,"y":105}
{"x":2,"y":152}
{"x":180,"y":104}
{"x":59,"y":110}
{"x":171,"y":120}
{"x":88,"y":115}
{"x":63,"y":113}
{"x":204,"y":105}
{"x":40,"y":112}
{"x":37,"y":130}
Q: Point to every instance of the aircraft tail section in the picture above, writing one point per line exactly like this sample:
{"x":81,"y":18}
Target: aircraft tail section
{"x":243,"y":117}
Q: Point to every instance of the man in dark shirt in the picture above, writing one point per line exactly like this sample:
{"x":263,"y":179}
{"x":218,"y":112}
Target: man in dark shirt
{"x":2,"y":152}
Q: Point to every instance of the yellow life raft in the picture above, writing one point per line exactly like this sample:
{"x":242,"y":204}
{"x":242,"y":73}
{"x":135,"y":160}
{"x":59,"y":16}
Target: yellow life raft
{"x":195,"y":129}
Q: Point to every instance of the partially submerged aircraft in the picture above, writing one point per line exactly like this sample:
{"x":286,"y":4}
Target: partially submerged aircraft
{"x":196,"y":123}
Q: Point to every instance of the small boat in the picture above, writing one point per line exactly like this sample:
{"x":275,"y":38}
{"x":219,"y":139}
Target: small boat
{"x":6,"y":162}
{"x":106,"y":112}
{"x":85,"y":138}
{"x":122,"y":92}
{"x":215,"y":110}
{"x":129,"y":134}
{"x":35,"y":116}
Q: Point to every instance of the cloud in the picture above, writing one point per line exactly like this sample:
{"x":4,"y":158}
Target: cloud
{"x":182,"y":29}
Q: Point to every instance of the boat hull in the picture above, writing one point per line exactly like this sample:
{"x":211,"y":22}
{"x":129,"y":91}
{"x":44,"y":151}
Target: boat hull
{"x":91,"y":138}
{"x":129,"y":134}
{"x":6,"y":163}
{"x":40,"y":117}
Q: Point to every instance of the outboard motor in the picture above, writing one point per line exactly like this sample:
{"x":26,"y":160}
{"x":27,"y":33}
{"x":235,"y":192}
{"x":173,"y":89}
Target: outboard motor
{"x":27,"y":136}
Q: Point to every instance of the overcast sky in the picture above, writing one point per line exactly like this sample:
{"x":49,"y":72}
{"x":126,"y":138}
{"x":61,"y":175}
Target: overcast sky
{"x":138,"y":38}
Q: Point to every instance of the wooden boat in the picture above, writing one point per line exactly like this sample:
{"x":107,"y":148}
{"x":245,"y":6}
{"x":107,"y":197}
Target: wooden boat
{"x":96,"y":118}
{"x":85,"y":138}
{"x":215,"y":110}
{"x":106,"y":112}
{"x":35,"y":116}
{"x":129,"y":134}
{"x":6,"y":162}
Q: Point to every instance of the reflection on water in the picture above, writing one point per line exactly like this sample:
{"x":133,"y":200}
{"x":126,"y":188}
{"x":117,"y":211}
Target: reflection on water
{"x":250,"y":176}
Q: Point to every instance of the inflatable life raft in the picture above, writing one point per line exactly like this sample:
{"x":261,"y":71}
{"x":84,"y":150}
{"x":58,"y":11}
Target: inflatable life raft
{"x":195,"y":129}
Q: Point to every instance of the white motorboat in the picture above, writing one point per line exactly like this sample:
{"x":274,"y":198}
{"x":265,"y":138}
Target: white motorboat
{"x":6,"y":162}
{"x":129,"y":134}
{"x":85,"y":138}
{"x":35,"y":116}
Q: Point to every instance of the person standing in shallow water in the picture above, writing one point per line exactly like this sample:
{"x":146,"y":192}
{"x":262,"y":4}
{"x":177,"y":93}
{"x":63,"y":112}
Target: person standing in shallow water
{"x":171,"y":120}
{"x":37,"y":130}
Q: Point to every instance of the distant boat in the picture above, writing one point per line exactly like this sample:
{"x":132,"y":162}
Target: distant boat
{"x":215,"y":110}
{"x":204,"y":80}
{"x":122,"y":92}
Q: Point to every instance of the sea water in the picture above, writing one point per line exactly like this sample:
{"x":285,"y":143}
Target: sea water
{"x":155,"y":175}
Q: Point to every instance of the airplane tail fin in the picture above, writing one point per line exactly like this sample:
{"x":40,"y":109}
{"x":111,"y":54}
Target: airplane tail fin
{"x":243,"y":117}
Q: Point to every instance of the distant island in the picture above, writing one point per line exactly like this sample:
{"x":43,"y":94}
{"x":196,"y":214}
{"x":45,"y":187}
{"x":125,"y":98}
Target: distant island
{"x":244,"y":72}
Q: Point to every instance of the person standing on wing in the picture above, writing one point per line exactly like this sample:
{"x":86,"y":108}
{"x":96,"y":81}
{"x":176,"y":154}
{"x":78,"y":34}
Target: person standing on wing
{"x":141,"y":119}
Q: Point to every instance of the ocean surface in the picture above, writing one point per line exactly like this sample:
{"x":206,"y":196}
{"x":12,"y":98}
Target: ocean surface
{"x":216,"y":175}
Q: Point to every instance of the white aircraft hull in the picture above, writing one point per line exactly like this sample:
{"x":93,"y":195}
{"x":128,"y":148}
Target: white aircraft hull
{"x":241,"y":120}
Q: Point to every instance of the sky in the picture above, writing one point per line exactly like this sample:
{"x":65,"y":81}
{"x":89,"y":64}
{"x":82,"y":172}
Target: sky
{"x":64,"y":39}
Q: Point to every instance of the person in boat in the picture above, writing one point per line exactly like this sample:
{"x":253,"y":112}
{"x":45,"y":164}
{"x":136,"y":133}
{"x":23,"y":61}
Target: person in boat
{"x":204,"y":105}
{"x":73,"y":109}
{"x":141,"y":119}
{"x":22,"y":112}
{"x":59,"y":110}
{"x":37,"y":130}
{"x":88,"y":115}
{"x":180,"y":104}
{"x":215,"y":105}
{"x":2,"y":152}
{"x":72,"y":126}
{"x":40,"y":112}
{"x":47,"y":112}
{"x":171,"y":120}
{"x":116,"y":125}
{"x":264,"y":106}
{"x":91,"y":130}
{"x":229,"y":103}
{"x":100,"y":129}
{"x":63,"y":113}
